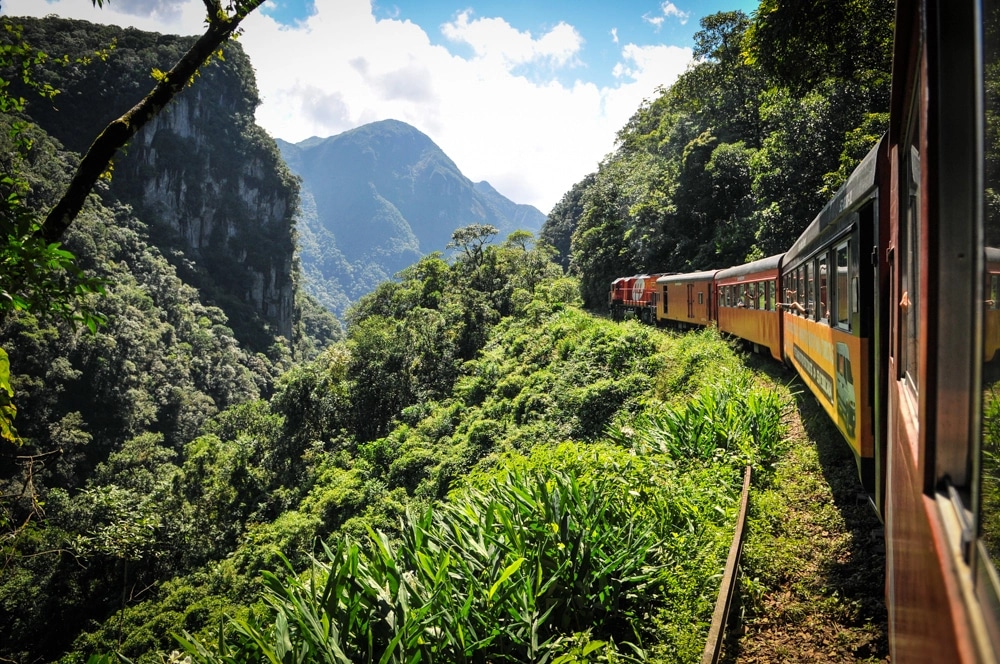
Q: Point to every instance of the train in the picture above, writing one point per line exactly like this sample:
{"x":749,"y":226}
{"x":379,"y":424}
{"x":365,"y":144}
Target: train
{"x":888,"y":307}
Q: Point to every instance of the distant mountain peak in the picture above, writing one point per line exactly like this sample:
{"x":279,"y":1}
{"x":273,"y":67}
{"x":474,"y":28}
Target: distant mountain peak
{"x":381,"y":196}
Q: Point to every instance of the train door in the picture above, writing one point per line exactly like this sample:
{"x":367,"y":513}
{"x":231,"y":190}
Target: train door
{"x":690,"y":294}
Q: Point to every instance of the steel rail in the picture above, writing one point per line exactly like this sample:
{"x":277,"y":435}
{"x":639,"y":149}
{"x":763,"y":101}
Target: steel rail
{"x":716,"y":633}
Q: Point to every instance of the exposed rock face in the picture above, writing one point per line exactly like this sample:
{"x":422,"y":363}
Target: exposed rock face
{"x":206,"y":179}
{"x":223,"y":203}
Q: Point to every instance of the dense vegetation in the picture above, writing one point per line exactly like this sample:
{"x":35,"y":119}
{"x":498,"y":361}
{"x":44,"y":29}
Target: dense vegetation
{"x":207,"y":181}
{"x":736,"y":157}
{"x":480,"y":470}
{"x":462,"y":366}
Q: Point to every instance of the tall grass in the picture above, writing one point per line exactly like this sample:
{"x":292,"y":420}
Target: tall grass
{"x":513,"y":572}
{"x":572,"y":553}
{"x":733,"y":420}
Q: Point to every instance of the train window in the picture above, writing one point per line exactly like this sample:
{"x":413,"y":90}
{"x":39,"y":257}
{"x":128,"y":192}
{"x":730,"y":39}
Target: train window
{"x":761,"y":300}
{"x":770,"y":294}
{"x":821,"y":272}
{"x":701,"y":297}
{"x":751,"y":296}
{"x":809,"y":274}
{"x":841,"y":286}
{"x":989,"y":480}
{"x":804,"y":288}
{"x":909,"y":262}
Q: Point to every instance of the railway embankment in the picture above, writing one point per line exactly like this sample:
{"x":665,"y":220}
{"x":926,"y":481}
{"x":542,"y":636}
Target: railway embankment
{"x":813,"y":564}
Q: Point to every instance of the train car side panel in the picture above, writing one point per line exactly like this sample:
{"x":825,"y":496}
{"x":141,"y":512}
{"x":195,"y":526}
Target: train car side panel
{"x":828,"y":361}
{"x":747,"y":303}
{"x":687,"y":298}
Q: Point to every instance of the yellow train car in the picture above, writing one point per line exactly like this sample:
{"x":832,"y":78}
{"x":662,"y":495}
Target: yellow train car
{"x":830,"y":316}
{"x":747,"y":297}
{"x":686,"y":299}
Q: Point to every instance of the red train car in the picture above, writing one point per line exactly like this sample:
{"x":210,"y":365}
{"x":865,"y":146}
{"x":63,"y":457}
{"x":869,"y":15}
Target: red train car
{"x":620,"y":288}
{"x":634,"y":297}
{"x":686,"y":299}
{"x":941,"y":509}
{"x":747,"y":298}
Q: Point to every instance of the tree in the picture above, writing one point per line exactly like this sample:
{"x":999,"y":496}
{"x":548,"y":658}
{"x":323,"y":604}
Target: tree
{"x":470,"y":240}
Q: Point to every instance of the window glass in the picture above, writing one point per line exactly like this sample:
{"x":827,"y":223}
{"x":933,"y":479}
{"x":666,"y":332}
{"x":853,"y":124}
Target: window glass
{"x":701,"y":297}
{"x":842,"y":289}
{"x":821,"y":274}
{"x":809,"y":274}
{"x":909,"y":262}
{"x":989,"y":487}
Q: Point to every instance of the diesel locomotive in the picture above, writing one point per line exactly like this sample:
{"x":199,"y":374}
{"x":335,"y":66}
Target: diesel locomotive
{"x":888,"y":307}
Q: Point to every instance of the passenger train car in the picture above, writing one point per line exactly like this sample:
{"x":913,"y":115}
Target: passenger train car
{"x":888,"y":307}
{"x":686,"y":299}
{"x":748,"y":303}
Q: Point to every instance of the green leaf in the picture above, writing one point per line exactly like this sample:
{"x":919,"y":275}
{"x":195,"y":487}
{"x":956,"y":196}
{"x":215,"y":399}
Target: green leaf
{"x":508,"y":571}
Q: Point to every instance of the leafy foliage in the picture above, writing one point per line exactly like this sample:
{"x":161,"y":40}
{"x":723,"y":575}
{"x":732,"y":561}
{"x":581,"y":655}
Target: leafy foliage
{"x":480,"y":471}
{"x":733,"y":160}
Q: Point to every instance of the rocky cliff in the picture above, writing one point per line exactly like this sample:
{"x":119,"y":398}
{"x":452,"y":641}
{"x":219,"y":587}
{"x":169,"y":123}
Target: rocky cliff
{"x":210,"y":184}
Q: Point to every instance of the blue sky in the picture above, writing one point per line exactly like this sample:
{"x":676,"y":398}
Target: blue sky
{"x":526,"y":95}
{"x":604,"y":25}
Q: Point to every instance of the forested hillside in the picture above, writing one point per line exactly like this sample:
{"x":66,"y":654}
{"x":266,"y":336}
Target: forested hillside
{"x":479,"y":470}
{"x":735,"y":159}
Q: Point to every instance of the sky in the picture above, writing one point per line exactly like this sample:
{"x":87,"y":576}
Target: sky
{"x":527,"y":94}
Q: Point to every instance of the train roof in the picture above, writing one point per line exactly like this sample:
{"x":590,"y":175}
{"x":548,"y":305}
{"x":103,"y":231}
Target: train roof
{"x":761,"y":265}
{"x":706,"y":275}
{"x":833,"y":217}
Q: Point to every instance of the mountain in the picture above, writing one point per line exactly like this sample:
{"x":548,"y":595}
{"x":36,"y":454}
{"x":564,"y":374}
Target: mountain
{"x":377,"y":198}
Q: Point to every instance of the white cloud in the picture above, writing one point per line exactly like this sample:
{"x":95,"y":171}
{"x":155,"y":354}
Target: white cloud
{"x":499,"y":113}
{"x":667,"y":10}
{"x":495,"y":41}
{"x":614,"y":35}
{"x":185,"y":17}
{"x":655,"y":21}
